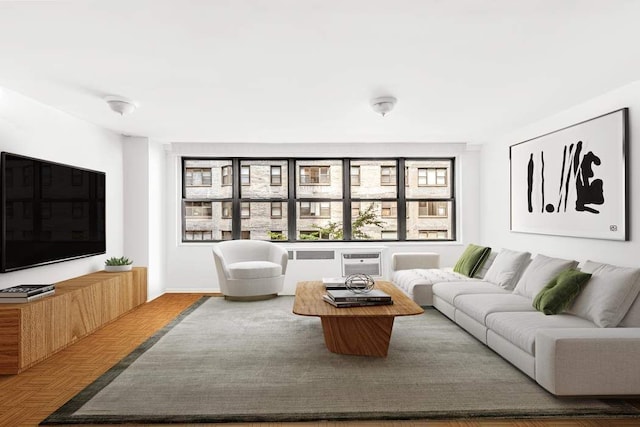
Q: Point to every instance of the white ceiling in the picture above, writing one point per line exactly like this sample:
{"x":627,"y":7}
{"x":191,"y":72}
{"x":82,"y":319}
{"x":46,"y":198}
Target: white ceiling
{"x":305,"y":70}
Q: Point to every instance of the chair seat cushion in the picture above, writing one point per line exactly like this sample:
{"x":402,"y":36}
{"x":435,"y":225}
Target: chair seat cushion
{"x":254,"y":270}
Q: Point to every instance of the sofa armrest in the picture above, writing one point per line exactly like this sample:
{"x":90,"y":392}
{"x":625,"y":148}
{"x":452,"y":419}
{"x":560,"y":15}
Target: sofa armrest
{"x":598,"y":361}
{"x":410,"y":260}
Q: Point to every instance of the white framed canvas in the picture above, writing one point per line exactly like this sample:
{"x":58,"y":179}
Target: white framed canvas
{"x":573,"y":182}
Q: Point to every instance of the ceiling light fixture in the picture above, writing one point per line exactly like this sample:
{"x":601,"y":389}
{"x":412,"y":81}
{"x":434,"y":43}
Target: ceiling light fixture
{"x":121,"y":105}
{"x":383,"y":105}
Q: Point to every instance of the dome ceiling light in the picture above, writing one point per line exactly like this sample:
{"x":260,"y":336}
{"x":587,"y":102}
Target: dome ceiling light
{"x":383,"y":105}
{"x":120,"y":104}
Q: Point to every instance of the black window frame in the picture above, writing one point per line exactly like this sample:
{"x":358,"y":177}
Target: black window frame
{"x":291,"y":201}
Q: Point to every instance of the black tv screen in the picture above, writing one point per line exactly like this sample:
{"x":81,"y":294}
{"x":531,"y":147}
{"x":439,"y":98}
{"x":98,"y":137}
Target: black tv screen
{"x":51,"y":212}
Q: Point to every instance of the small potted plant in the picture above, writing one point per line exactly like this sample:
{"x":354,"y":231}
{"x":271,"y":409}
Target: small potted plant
{"x":115,"y":264}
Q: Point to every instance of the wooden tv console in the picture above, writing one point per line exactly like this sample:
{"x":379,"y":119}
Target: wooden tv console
{"x":33,"y":331}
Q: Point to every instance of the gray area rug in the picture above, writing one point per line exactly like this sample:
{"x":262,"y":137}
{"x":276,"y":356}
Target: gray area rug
{"x":224,"y":361}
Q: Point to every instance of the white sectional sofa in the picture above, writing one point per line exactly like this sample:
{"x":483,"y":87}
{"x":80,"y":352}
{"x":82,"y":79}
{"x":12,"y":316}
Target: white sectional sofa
{"x":592,"y":348}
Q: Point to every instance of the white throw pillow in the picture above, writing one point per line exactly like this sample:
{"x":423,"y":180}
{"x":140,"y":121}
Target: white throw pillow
{"x":506,"y":268}
{"x":632,"y":318}
{"x":539,"y":272}
{"x":482,"y":271}
{"x":608,"y":294}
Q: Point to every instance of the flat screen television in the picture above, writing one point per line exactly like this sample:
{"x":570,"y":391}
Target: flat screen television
{"x":50,"y":212}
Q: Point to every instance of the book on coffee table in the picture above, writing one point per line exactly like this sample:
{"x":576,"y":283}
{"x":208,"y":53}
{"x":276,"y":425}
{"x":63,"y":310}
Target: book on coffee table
{"x":345,"y":295}
{"x":339,"y":283}
{"x":346,"y":304}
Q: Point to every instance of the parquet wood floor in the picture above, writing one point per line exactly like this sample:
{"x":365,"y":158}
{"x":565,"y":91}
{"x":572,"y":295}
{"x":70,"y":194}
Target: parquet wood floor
{"x":28,"y":398}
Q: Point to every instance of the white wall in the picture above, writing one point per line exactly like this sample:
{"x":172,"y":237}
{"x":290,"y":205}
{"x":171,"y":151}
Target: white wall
{"x":189,"y":266}
{"x":495,"y":191}
{"x":144,"y":209}
{"x":33,"y":129}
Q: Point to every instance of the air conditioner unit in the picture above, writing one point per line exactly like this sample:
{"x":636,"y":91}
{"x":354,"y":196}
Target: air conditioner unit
{"x":362,"y":262}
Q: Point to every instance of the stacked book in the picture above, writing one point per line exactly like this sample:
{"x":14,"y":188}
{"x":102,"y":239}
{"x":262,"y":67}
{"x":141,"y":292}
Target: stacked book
{"x":346,"y":298}
{"x":25,"y":293}
{"x":339,"y":283}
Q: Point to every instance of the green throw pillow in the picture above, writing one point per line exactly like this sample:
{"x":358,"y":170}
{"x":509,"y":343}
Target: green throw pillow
{"x":471,"y":260}
{"x":560,"y":291}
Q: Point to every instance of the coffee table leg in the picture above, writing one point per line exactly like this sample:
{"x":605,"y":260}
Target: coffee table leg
{"x":362,"y":336}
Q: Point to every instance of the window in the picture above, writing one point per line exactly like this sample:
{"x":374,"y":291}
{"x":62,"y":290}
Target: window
{"x":389,"y":234}
{"x":355,"y":175}
{"x":433,"y":234}
{"x":245,"y":210}
{"x":276,"y":175}
{"x":227,"y":209}
{"x":388,"y":175}
{"x":277,"y":235}
{"x":315,"y":209}
{"x":313,"y":235}
{"x":389,"y":209}
{"x":276,"y":209}
{"x":198,"y":177}
{"x":199,"y":235}
{"x":439,"y":209}
{"x":355,"y":209}
{"x":245,"y":175}
{"x":432,"y":177}
{"x":340,"y":199}
{"x":198,"y":210}
{"x":227,"y":175}
{"x":314,"y":175}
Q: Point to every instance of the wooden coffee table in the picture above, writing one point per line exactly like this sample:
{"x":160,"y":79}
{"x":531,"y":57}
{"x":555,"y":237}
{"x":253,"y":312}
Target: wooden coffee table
{"x":363,"y":331}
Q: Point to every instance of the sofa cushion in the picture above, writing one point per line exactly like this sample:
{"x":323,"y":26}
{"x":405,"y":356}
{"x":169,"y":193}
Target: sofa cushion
{"x":478,"y":307}
{"x":560,"y":291}
{"x":632,"y":318}
{"x":540,"y":272}
{"x":482,"y":271}
{"x":507,"y":267}
{"x":519,"y":328}
{"x":408,"y":279}
{"x":608,"y":295}
{"x":450,"y":290}
{"x":471,"y":260}
{"x":254,"y":270}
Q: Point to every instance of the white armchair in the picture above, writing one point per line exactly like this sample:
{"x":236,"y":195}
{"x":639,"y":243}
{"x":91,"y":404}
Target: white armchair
{"x":250,"y":269}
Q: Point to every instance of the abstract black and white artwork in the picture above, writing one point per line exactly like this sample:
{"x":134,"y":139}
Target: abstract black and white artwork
{"x":572,"y":182}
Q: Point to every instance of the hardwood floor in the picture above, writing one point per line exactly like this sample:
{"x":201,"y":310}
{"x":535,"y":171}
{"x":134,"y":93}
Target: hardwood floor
{"x":28,"y":398}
